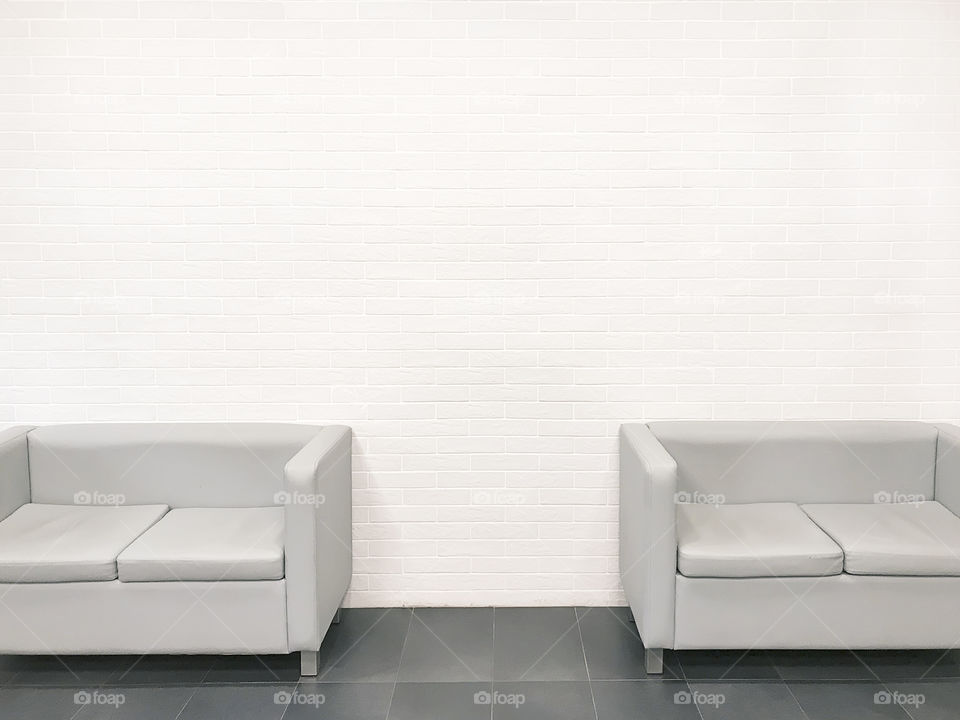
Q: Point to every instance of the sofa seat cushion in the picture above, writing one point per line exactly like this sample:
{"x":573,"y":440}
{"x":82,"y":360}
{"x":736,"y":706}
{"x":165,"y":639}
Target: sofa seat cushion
{"x":754,"y":540}
{"x":69,"y":543}
{"x":893,"y":538}
{"x":208,"y":544}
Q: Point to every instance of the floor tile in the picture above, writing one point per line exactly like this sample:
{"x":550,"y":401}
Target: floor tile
{"x":912,"y":664}
{"x":254,"y":668}
{"x":820,"y":665}
{"x":542,"y":701}
{"x":441,"y":701}
{"x":937,"y":700}
{"x":537,"y":644}
{"x":66,"y":670}
{"x":845,"y":701}
{"x":161,"y":670}
{"x":726,"y":665}
{"x":745,"y":701}
{"x":10,"y":665}
{"x":238,"y":702}
{"x":364,"y":647}
{"x":523,"y":663}
{"x":340,"y":701}
{"x":38,"y":703}
{"x":613,"y":648}
{"x":643,"y":700}
{"x":448,"y":645}
{"x":138,"y":703}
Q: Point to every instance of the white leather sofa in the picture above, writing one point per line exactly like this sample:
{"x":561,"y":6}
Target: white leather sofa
{"x":741,"y":535}
{"x":227,"y":538}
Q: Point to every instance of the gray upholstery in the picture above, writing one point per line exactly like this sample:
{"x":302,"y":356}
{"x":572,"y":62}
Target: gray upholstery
{"x":828,"y":468}
{"x":69,"y":543}
{"x":800,"y":461}
{"x":179,"y":464}
{"x":269,"y":503}
{"x":836,"y":612}
{"x":892,"y":538}
{"x":207,"y":544}
{"x":318,"y":529}
{"x":648,"y":533}
{"x":948,"y":467}
{"x":98,"y":618}
{"x":756,"y":540}
{"x":14,"y":470}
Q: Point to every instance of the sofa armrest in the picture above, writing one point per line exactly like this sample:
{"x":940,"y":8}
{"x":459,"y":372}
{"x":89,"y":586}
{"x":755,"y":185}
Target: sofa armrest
{"x":14,"y":469}
{"x":947,"y":475}
{"x":318,"y":525}
{"x":648,"y":535}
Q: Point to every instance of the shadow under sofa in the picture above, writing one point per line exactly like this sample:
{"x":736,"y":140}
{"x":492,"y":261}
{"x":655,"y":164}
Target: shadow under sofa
{"x":790,"y":535}
{"x":173,"y":538}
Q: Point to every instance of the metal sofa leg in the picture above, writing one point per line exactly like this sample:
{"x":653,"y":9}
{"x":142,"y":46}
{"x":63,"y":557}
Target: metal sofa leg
{"x":653,"y":661}
{"x":337,"y":616}
{"x":308,"y":663}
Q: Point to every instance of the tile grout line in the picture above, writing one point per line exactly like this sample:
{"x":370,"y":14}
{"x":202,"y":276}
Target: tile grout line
{"x":683,"y":678}
{"x":586,"y":665}
{"x":350,"y":649}
{"x":296,"y":690}
{"x":187,"y":702}
{"x":550,"y":649}
{"x":795,"y":698}
{"x":493,"y":658}
{"x":396,"y":678}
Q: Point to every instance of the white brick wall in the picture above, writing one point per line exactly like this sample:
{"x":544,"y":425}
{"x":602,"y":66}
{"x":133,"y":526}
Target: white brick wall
{"x":483,"y":234}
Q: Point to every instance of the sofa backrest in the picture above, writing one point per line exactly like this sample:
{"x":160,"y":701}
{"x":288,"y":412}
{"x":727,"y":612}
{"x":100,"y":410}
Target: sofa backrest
{"x":800,"y":461}
{"x":178,"y":464}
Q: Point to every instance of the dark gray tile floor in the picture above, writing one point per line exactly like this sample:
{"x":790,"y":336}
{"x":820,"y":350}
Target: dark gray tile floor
{"x":487,"y":664}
